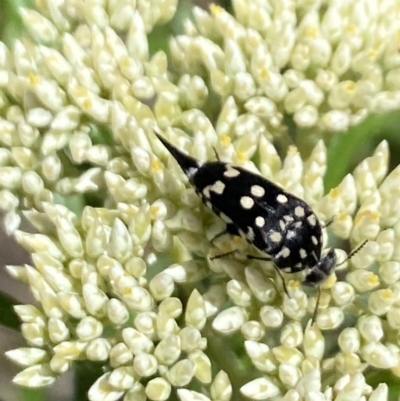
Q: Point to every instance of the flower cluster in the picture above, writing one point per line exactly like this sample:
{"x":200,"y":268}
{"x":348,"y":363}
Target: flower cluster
{"x":78,"y":114}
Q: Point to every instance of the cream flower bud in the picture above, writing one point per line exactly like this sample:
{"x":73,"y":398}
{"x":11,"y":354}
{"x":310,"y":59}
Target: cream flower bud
{"x":221,"y":83}
{"x":349,"y":363}
{"x":58,"y":330}
{"x":95,"y":299}
{"x":23,"y":157}
{"x":202,"y":363}
{"x":253,"y":330}
{"x":89,"y":328}
{"x":389,"y":272}
{"x":59,"y":364}
{"x":260,"y":389}
{"x":98,"y":350}
{"x":291,"y":334}
{"x":195,"y":311}
{"x":306,"y":116}
{"x":363,"y":280}
{"x":239,"y":292}
{"x":172,"y":307}
{"x":119,"y":355}
{"x":330,"y":318}
{"x":8,"y":201}
{"x":261,"y":356}
{"x":27,"y":356}
{"x":244,"y":86}
{"x":122,"y":378}
{"x":380,"y":393}
{"x":349,"y":340}
{"x":35,"y":376}
{"x":230,"y":320}
{"x":136,"y":341}
{"x":300,"y":58}
{"x":161,"y":286}
{"x":137,"y":298}
{"x":145,"y":322}
{"x":261,"y":286}
{"x":145,"y":365}
{"x":342,"y":293}
{"x":189,"y":395}
{"x":10,"y":177}
{"x":120,"y":244}
{"x":188,"y":271}
{"x":191,"y":339}
{"x":370,"y":327}
{"x":168,"y":350}
{"x":32,"y":183}
{"x":181,"y":373}
{"x":117,"y":311}
{"x":335,"y":120}
{"x":70,"y":350}
{"x":72,"y":304}
{"x":379,"y":356}
{"x":295,"y":307}
{"x":221,"y":387}
{"x":158,"y":389}
{"x":40,"y":27}
{"x":51,"y":167}
{"x":314,"y":342}
{"x":271,"y":316}
{"x":289,"y":355}
{"x":102,"y":389}
{"x":393,"y":317}
{"x":381,"y":301}
{"x":289,"y":374}
{"x":161,"y":236}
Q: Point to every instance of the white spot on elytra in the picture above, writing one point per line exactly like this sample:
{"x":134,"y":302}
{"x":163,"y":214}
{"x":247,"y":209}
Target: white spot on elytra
{"x":260,"y":221}
{"x":250,"y":234}
{"x":246,"y":202}
{"x":209,"y":205}
{"x":299,"y":211}
{"x":288,"y":218}
{"x":231,"y":172}
{"x":312,"y":219}
{"x":191,"y":171}
{"x":284,"y":252}
{"x":282,"y":224}
{"x":225,"y":218}
{"x":298,"y":224}
{"x":314,"y":240}
{"x":303,"y":253}
{"x":281,"y":198}
{"x":206,"y":191}
{"x":218,"y":187}
{"x":290,"y":234}
{"x":275,"y":236}
{"x":257,"y":190}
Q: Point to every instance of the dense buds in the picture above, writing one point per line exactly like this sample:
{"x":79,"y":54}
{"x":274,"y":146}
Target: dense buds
{"x":129,"y":283}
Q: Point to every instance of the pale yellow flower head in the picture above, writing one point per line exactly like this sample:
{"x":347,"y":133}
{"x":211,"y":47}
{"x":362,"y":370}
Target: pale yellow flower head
{"x":121,"y":268}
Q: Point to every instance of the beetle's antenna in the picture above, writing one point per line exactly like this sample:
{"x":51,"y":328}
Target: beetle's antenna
{"x":216,"y":154}
{"x":358,"y":249}
{"x":329,"y":222}
{"x":314,"y":317}
{"x":319,"y":288}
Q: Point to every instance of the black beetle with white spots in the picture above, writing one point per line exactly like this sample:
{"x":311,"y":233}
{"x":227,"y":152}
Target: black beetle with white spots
{"x":277,"y":223}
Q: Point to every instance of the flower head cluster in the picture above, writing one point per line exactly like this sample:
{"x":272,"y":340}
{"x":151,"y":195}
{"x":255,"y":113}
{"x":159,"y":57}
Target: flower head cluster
{"x":79,"y":121}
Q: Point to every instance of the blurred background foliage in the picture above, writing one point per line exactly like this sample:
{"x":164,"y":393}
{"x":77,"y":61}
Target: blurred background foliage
{"x":345,"y":151}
